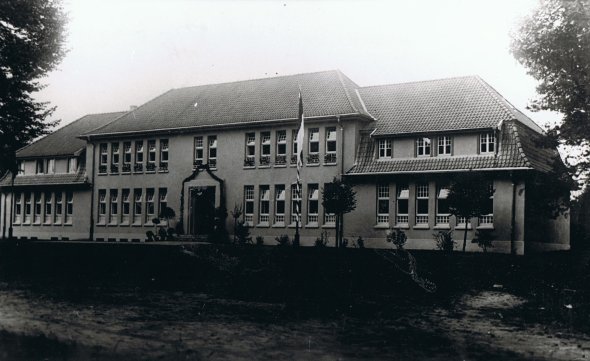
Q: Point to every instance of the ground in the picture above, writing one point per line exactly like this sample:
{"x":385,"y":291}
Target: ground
{"x":42,"y":318}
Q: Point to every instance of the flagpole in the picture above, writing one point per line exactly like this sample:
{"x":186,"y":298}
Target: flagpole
{"x":299,"y":142}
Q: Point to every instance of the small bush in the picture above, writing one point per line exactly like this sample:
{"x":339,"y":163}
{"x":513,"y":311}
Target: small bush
{"x":444,"y":240}
{"x":360,"y":242}
{"x":484,"y":238}
{"x":322,"y":240}
{"x":344,"y":243}
{"x":243,"y":233}
{"x":259,"y":240}
{"x":397,"y":237}
{"x":283,"y":240}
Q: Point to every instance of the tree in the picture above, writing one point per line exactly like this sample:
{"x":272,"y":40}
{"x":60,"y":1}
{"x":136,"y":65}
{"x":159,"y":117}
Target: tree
{"x":469,"y":195}
{"x":338,"y":198}
{"x":167,"y":213}
{"x":31,"y":45}
{"x":554,"y":45}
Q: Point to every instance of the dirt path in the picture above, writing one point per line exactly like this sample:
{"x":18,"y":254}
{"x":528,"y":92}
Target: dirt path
{"x":171,"y":326}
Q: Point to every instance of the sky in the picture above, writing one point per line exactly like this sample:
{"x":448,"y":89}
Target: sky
{"x":126,"y":52}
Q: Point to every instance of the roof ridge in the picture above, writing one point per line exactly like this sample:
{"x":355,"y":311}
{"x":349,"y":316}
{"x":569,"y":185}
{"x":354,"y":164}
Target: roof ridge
{"x":496,"y":96}
{"x":339,"y":73}
{"x":420,"y":81}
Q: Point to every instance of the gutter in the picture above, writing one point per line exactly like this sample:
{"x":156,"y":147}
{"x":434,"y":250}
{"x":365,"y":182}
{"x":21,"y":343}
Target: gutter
{"x":441,"y":171}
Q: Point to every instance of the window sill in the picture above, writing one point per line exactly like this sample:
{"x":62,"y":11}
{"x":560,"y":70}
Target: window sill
{"x":249,"y":224}
{"x":263,"y":166}
{"x":463,"y":227}
{"x":124,"y":224}
{"x":150,"y":172}
{"x":312,"y":165}
{"x":163,"y":171}
{"x":68,"y":224}
{"x":137,"y":172}
{"x":125,"y":173}
{"x":280,"y":166}
{"x":402,"y":226}
{"x":421,"y":226}
{"x":249,"y":167}
{"x":112,"y":224}
{"x":279,"y":225}
{"x":47,"y":223}
{"x":136,"y":224}
{"x":485,"y":226}
{"x":263,"y":225}
{"x":100,"y":224}
{"x":57,"y":223}
{"x":329,"y":225}
{"x":442,"y":226}
{"x":330,"y":164}
{"x":102,"y":174}
{"x":312,"y":225}
{"x":381,"y":226}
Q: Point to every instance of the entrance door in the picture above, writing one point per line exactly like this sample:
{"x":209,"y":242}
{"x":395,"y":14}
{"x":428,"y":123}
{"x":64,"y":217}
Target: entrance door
{"x":202,"y":210}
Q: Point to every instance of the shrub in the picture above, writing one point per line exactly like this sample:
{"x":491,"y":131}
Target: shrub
{"x":259,"y":240}
{"x":484,"y":238}
{"x":360,"y":242}
{"x":242,"y":235}
{"x":344,"y":243}
{"x":283,"y":240}
{"x":397,"y":237}
{"x":444,"y":240}
{"x":322,"y":240}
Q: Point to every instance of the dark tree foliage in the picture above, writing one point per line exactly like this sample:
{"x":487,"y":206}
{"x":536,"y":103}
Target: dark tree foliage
{"x":554,"y":45}
{"x":31,"y":45}
{"x":339,"y":198}
{"x":468,"y":195}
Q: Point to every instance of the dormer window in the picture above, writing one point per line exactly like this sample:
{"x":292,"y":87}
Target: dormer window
{"x":72,"y":165}
{"x":385,"y":150}
{"x":423,"y":147}
{"x":487,"y":143}
{"x":21,"y":167}
{"x":40,"y":166}
{"x":444,"y":145}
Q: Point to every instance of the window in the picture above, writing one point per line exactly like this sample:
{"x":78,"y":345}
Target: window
{"x":72,"y":165}
{"x":403,"y":196}
{"x":127,"y":155}
{"x":115,"y":157}
{"x":126,"y":208}
{"x":329,"y":218}
{"x":48,"y":207}
{"x":114,"y":213}
{"x":279,"y":204}
{"x":28,"y":207}
{"x":38,"y":206}
{"x":69,"y":207}
{"x":296,"y":203}
{"x":422,"y":204}
{"x":40,"y":166}
{"x":249,"y":204}
{"x":163,"y":155}
{"x":264,"y":209}
{"x":21,"y":167}
{"x":486,"y":143}
{"x":102,"y":206}
{"x":212,"y":151}
{"x":151,"y":161}
{"x":313,"y":203}
{"x":265,"y":148}
{"x":104,"y":154}
{"x":281,"y":156}
{"x":18,"y":207}
{"x":423,"y":147}
{"x":330,"y":157}
{"x":199,"y":153}
{"x":58,"y":207}
{"x":383,"y":204}
{"x":444,"y":145}
{"x":163,"y":200}
{"x":314,"y":146}
{"x":50,"y":166}
{"x":385,"y":150}
{"x":250,"y":159}
{"x":442,"y":207}
{"x":137,"y":206}
{"x":487,"y":215}
{"x":138,"y":167}
{"x":150,"y":209}
{"x":294,"y":147}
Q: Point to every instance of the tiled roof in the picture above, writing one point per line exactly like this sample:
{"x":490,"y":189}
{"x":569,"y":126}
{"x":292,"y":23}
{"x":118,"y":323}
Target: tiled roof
{"x":63,"y":141}
{"x":45,"y":179}
{"x":438,"y":105}
{"x":517,"y":150}
{"x":324,"y":93}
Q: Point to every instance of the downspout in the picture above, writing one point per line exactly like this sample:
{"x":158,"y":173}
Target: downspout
{"x":341,"y":146}
{"x":4,"y":216}
{"x":513,"y":218}
{"x":10,"y":230}
{"x":91,"y":230}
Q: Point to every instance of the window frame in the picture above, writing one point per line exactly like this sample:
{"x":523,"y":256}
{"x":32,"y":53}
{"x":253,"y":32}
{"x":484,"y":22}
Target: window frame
{"x":383,"y":194}
{"x":313,"y":201}
{"x":212,"y":144}
{"x":445,"y":143}
{"x":199,"y":153}
{"x":280,"y":202}
{"x":424,"y":147}
{"x":487,"y":140}
{"x":402,"y":194}
{"x":422,"y":196}
{"x":384,"y":146}
{"x":249,"y":200}
{"x":264,"y":205}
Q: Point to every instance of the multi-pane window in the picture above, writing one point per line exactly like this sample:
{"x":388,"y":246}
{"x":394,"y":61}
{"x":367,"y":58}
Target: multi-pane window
{"x":422,"y":204}
{"x":249,"y":204}
{"x":21,"y":167}
{"x":330,"y":156}
{"x":102,"y":206}
{"x":199,"y":151}
{"x":486,"y":143}
{"x":265,"y":148}
{"x":48,"y":207}
{"x":329,"y":218}
{"x":294,"y":147}
{"x":314,"y":146}
{"x":403,"y":197}
{"x":313,"y":203}
{"x":58,"y":207}
{"x":150,"y":207}
{"x":444,"y":145}
{"x":115,"y":157}
{"x":126,"y":205}
{"x":50,"y":166}
{"x":138,"y":167}
{"x":385,"y":150}
{"x":163,"y":154}
{"x":72,"y":165}
{"x":104,"y":157}
{"x":487,"y":215}
{"x":250,"y":158}
{"x":114,"y":213}
{"x":442,"y":206}
{"x":137,"y":205}
{"x":423,"y":146}
{"x":38,"y":208}
{"x":162,"y":200}
{"x":279,"y":204}
{"x":127,"y":155}
{"x":40,"y":166}
{"x":28,"y":207}
{"x":281,"y":156}
{"x":69,"y":207}
{"x":18,"y":207}
{"x":383,"y":204}
{"x":151,"y":161}
{"x":295,"y":203}
{"x":264,"y":209}
{"x":212,"y":151}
